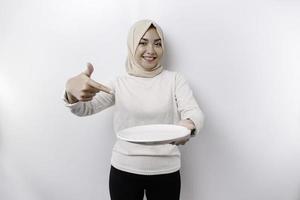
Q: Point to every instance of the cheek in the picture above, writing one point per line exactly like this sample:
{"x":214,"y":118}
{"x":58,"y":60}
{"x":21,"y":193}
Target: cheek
{"x":159,"y":53}
{"x":138,"y":54}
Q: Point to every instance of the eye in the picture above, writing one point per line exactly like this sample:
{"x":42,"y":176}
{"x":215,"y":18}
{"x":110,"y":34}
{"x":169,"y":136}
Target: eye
{"x":142,"y":43}
{"x":158,"y":44}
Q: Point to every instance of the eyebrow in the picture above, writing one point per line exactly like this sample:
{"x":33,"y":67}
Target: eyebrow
{"x":154,"y":40}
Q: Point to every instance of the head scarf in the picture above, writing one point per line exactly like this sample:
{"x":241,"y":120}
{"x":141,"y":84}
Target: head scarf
{"x":136,"y":32}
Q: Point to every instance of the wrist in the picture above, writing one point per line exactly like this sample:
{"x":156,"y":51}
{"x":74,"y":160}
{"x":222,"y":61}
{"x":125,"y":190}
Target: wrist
{"x":71,"y":99}
{"x":193,"y":130}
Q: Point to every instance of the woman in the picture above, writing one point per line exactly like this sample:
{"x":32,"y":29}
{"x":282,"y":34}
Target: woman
{"x":147,"y":94}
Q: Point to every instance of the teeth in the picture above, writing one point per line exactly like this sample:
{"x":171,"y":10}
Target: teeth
{"x":149,"y":58}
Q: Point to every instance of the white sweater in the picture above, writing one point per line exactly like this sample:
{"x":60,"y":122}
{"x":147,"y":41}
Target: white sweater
{"x":163,"y":99}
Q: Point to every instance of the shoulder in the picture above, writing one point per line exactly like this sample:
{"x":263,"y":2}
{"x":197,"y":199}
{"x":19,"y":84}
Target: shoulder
{"x":166,"y":72}
{"x":176,"y":76}
{"x":171,"y":74}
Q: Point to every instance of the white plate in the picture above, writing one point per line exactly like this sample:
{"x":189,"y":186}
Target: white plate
{"x":154,"y":134}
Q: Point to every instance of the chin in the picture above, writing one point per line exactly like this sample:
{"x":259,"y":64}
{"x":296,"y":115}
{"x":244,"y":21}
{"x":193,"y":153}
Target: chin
{"x":148,"y":68}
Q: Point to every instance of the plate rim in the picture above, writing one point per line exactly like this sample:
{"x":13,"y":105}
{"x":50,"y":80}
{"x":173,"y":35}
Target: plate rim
{"x":154,"y":141}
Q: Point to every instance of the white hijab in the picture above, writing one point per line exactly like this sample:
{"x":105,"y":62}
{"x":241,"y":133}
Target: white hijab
{"x":136,"y":32}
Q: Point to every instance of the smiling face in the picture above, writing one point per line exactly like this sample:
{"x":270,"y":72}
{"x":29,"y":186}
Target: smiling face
{"x":149,"y":50}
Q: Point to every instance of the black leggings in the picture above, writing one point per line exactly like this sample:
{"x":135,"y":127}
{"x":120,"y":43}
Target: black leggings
{"x":128,"y":186}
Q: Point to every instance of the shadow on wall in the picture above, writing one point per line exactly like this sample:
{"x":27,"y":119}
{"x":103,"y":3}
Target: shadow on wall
{"x":167,"y":57}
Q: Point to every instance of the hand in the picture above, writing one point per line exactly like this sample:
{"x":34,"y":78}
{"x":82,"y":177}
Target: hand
{"x":83,"y":88}
{"x":189,"y":124}
{"x":182,"y":141}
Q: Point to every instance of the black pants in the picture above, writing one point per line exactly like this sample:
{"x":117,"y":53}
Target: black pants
{"x":128,"y":186}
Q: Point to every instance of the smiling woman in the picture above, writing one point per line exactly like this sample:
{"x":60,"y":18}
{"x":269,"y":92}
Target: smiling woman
{"x":145,"y":49}
{"x":149,"y":51}
{"x":148,"y":94}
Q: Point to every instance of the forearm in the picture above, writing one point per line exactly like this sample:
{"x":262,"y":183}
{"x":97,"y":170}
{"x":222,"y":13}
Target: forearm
{"x":80,"y":108}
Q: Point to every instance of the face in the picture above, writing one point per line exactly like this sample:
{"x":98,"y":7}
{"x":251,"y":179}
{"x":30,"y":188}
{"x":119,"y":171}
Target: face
{"x":149,"y":50}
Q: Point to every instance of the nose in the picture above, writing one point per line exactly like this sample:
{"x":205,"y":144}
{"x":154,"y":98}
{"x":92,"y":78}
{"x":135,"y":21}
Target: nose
{"x":150,"y":49}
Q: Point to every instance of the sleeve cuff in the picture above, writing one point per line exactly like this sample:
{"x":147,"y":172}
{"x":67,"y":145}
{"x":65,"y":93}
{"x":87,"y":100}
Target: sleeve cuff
{"x":67,"y":104}
{"x":193,"y":132}
{"x":198,"y":121}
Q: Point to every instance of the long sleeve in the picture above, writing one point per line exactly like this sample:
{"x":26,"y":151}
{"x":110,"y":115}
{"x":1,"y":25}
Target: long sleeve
{"x":163,"y":99}
{"x":100,"y":102}
{"x":186,"y":103}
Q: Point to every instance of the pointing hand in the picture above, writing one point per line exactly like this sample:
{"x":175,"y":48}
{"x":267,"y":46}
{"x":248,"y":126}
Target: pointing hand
{"x":83,"y":88}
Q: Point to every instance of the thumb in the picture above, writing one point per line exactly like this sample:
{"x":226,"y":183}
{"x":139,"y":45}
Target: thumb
{"x":89,"y":69}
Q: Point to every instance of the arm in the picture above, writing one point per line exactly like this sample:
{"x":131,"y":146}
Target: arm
{"x":84,"y":96}
{"x":189,"y":110}
{"x":84,"y":108}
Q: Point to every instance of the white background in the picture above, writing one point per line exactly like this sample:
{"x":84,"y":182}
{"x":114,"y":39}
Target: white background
{"x":241,"y":59}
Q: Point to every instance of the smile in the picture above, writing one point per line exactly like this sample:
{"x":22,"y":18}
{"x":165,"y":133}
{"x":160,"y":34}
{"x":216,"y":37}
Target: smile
{"x":149,"y":58}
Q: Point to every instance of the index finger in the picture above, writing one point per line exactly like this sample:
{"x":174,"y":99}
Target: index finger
{"x":99,"y":86}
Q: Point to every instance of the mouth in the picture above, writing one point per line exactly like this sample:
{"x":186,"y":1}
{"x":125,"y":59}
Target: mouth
{"x":149,"y":58}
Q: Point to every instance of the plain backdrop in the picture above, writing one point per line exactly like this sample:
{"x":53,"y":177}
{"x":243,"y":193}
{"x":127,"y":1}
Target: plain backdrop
{"x":241,"y":59}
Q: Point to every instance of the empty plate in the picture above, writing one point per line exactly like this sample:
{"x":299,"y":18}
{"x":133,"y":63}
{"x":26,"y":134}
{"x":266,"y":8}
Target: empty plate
{"x":154,"y":134}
